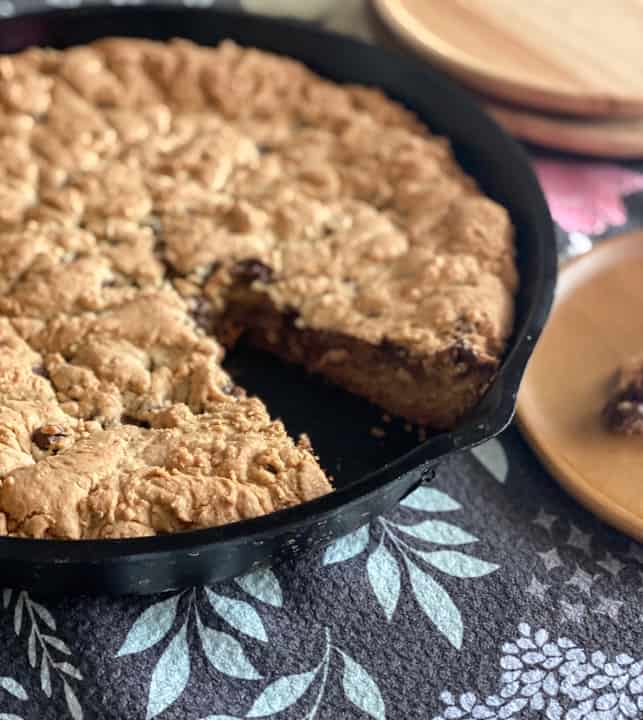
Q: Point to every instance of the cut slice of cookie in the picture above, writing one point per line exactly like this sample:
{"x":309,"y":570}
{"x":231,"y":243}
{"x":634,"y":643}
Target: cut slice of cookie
{"x":187,"y":472}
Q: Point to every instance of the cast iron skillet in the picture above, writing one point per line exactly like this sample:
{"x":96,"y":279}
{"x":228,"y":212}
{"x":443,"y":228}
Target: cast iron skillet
{"x":371,"y":474}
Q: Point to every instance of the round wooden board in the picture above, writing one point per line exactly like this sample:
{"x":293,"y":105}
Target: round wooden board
{"x":621,"y":138}
{"x":595,"y":327}
{"x":558,"y":55}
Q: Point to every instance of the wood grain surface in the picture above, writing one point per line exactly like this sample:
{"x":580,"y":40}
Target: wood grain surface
{"x":558,"y":55}
{"x":595,"y":327}
{"x":600,"y":137}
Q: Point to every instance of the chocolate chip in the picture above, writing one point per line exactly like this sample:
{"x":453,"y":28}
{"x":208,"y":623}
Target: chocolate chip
{"x":624,"y":417}
{"x":130,"y":420}
{"x":202,"y":313}
{"x":156,"y":226}
{"x":49,"y":437}
{"x":624,"y":411}
{"x":233,"y":390}
{"x":464,"y":326}
{"x":154,"y":223}
{"x":462,"y":353}
{"x":633,"y":392}
{"x":251,"y":269}
{"x":393,"y":350}
{"x":39,"y":370}
{"x":289,"y":317}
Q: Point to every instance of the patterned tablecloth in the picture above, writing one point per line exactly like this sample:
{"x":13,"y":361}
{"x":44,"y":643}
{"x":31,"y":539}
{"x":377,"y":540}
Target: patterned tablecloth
{"x":489,"y":594}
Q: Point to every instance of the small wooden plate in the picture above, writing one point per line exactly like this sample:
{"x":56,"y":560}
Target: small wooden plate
{"x":557,"y":55}
{"x":620,"y":138}
{"x":595,"y":327}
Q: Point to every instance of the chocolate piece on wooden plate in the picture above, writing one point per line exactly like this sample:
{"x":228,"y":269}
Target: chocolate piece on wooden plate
{"x":595,"y":328}
{"x":623,"y":412}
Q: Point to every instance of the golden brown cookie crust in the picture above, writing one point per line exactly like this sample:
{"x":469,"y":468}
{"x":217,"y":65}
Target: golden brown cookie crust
{"x":154,"y":197}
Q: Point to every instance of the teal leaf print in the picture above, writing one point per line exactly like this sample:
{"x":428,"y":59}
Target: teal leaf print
{"x":43,"y":614}
{"x":439,"y":532}
{"x":72,"y":703}
{"x":31,"y":647}
{"x":225,"y":653}
{"x":457,"y":564}
{"x":347,"y":547}
{"x":384,"y":576}
{"x":68,"y":669}
{"x":295,"y":692}
{"x":17,"y":613}
{"x":171,"y":674}
{"x":45,"y":676}
{"x":436,"y":603}
{"x":221,"y":717}
{"x":240,"y":615}
{"x":493,"y":458}
{"x":29,"y":613}
{"x":150,"y":627}
{"x":56,"y":643}
{"x":9,"y":716}
{"x":361,"y":690}
{"x":430,"y":500}
{"x":262,"y":585}
{"x":13,"y":688}
{"x":400,"y":542}
{"x":281,"y":694}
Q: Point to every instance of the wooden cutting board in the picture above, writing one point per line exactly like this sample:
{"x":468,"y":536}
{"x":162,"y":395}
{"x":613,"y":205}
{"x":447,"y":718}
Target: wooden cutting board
{"x":595,"y":327}
{"x":568,"y":56}
{"x":600,"y":137}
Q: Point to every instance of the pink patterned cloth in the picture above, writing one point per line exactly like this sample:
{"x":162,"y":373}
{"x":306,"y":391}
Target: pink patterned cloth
{"x":587,"y":197}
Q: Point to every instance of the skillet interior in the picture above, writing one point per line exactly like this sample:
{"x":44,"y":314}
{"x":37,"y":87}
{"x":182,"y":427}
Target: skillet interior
{"x":370,"y":474}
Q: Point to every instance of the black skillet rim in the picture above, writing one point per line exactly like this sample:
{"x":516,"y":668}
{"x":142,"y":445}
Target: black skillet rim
{"x":494,"y":414}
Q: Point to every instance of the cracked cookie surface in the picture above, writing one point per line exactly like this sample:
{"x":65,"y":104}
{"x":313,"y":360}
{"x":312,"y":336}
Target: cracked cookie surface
{"x":157,"y":201}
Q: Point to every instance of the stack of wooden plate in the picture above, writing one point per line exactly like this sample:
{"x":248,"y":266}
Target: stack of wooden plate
{"x":563,"y":74}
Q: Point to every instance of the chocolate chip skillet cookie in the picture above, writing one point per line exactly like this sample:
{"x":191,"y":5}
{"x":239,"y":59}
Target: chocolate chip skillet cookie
{"x":160,"y":200}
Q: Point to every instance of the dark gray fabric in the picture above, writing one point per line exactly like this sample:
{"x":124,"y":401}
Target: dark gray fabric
{"x":490,"y":594}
